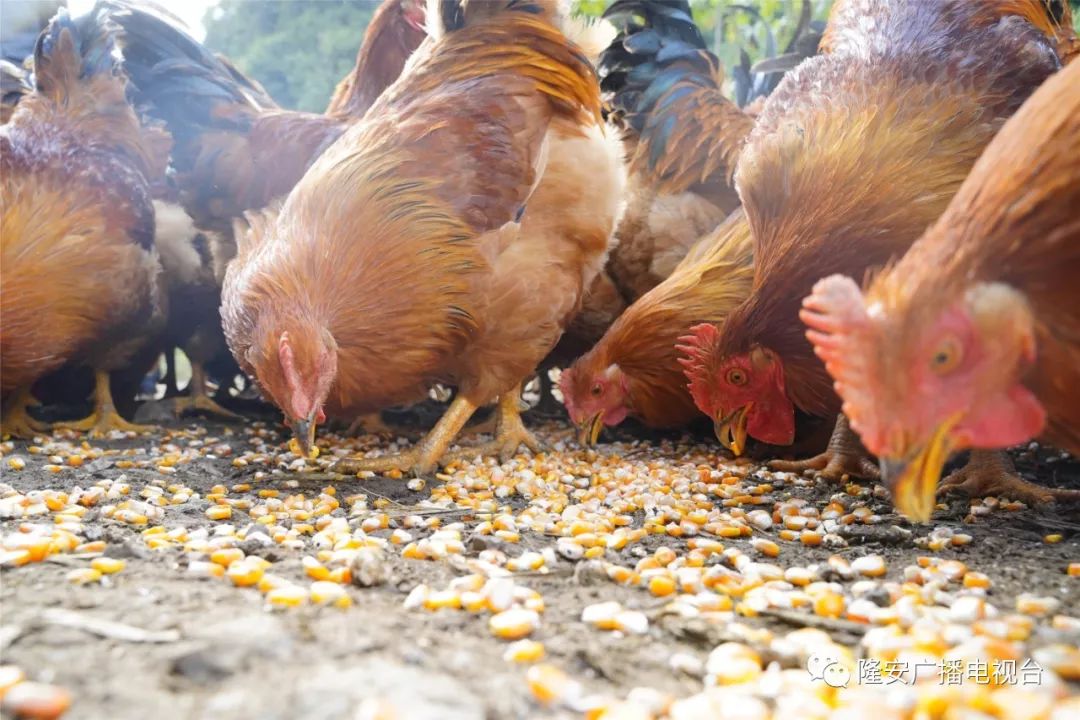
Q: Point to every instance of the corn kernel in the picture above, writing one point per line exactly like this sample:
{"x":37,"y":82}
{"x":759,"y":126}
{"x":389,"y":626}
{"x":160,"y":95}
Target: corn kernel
{"x":549,"y":684}
{"x":514,"y":624}
{"x":219,"y":512}
{"x":245,"y":573}
{"x":524,"y":651}
{"x":226,"y":556}
{"x":206,"y":569}
{"x":1073,"y":570}
{"x":314,"y":569}
{"x":107,"y":566}
{"x":84,"y":576}
{"x":829,"y":604}
{"x":16,"y":463}
{"x":766,"y":547}
{"x":869,"y":565}
{"x":327,"y":593}
{"x":1052,"y":539}
{"x":287,"y":596}
{"x":443,"y":599}
{"x":974,"y":579}
{"x":37,"y":701}
{"x":10,"y":676}
{"x":661,"y":585}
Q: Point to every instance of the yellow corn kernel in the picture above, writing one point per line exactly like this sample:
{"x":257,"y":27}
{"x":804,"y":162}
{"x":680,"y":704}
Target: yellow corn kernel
{"x":1052,"y":539}
{"x":664,"y":556}
{"x":974,"y":579}
{"x":107,"y":566}
{"x":766,"y":547}
{"x":16,"y":463}
{"x":661,"y":585}
{"x":474,"y":602}
{"x":206,"y":569}
{"x":829,"y":604}
{"x":443,"y":599}
{"x":327,"y":593}
{"x":524,"y":651}
{"x":314,"y":569}
{"x":514,"y":624}
{"x":226,"y":556}
{"x":90,"y":547}
{"x":219,"y":512}
{"x":548,"y":683}
{"x":84,"y":576}
{"x":287,"y":596}
{"x":1073,"y":570}
{"x":245,"y":573}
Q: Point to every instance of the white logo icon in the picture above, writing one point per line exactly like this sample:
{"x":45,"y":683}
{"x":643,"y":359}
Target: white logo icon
{"x":829,"y":669}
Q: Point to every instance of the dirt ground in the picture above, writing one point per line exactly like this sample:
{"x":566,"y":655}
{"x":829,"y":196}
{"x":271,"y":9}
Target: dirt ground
{"x":217,"y":651}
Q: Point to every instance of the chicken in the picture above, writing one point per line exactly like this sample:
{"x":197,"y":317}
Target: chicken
{"x":395,"y":31}
{"x":235,"y":149}
{"x":682,"y":134}
{"x":13,"y":87}
{"x":855,"y":154}
{"x":974,"y":339}
{"x":78,"y":264}
{"x":634,"y":370}
{"x":446,"y":237}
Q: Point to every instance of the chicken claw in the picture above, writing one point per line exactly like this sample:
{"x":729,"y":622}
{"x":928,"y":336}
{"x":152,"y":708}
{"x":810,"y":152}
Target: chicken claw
{"x":991,"y":472}
{"x":845,"y":455}
{"x":422,"y":458}
{"x":510,"y":433}
{"x":104,"y":418}
{"x":17,"y":420}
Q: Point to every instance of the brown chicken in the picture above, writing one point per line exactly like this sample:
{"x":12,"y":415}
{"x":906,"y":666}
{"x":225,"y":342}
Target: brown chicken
{"x":78,"y":264}
{"x":236,"y":150}
{"x":856,"y":153}
{"x":974,"y":337}
{"x":447,"y":237}
{"x":395,"y":31}
{"x":634,"y":370}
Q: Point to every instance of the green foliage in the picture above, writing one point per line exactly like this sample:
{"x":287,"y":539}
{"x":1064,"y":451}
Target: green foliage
{"x":297,"y":49}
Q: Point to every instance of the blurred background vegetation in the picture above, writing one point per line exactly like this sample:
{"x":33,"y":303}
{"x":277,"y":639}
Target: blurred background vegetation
{"x":299,"y":50}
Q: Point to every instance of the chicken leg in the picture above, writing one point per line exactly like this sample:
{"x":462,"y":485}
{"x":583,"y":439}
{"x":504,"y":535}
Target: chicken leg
{"x":104,"y":417}
{"x":17,"y":420}
{"x":845,"y":455}
{"x":510,"y":432}
{"x":197,"y":397}
{"x":991,"y":472}
{"x":424,"y":456}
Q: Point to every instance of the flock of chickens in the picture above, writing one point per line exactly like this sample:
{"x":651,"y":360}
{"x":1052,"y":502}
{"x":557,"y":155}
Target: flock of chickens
{"x":891,"y":239}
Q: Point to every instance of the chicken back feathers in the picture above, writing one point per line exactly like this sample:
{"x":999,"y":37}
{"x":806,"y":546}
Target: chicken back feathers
{"x":80,"y":272}
{"x":991,"y":288}
{"x":861,"y":148}
{"x":481,"y":181}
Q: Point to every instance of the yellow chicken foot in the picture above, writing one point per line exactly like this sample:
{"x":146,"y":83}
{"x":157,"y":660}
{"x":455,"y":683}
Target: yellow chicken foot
{"x":991,"y":472}
{"x":197,"y":398}
{"x":104,"y":418}
{"x":510,"y":432}
{"x":845,"y":456}
{"x":423,"y":457}
{"x":16,"y":419}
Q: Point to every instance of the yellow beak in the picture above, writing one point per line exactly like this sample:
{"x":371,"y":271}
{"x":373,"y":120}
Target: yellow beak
{"x":303,"y":439}
{"x":589,"y":430}
{"x":731,"y":429}
{"x":913,"y":479}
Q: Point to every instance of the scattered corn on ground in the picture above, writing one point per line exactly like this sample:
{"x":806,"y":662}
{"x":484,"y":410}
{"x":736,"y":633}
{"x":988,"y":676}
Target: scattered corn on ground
{"x":754,"y":594}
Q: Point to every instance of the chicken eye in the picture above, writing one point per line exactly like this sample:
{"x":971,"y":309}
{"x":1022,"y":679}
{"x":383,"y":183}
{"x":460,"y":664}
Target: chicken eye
{"x":597,"y":390}
{"x":736,"y":376}
{"x":946,"y":357}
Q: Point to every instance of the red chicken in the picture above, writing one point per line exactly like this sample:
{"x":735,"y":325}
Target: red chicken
{"x":855,"y":154}
{"x":78,"y":265}
{"x":447,"y":237}
{"x":972,"y":340}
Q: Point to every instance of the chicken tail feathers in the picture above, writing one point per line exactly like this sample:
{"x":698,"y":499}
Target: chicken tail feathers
{"x":70,"y":52}
{"x":179,"y":80}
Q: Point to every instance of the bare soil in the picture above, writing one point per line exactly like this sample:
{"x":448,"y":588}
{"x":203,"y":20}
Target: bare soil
{"x":232,"y":658}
